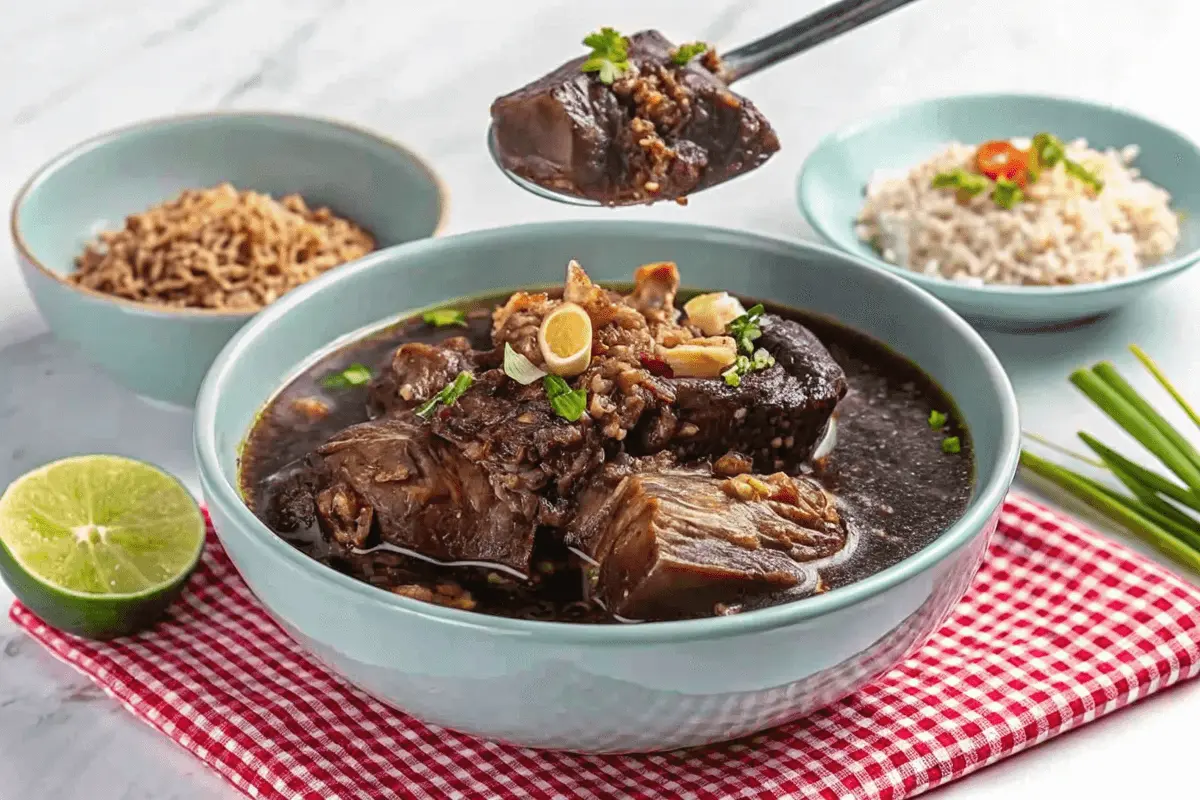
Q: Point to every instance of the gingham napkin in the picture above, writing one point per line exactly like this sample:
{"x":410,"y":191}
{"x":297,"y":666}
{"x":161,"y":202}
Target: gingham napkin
{"x":1061,"y":626}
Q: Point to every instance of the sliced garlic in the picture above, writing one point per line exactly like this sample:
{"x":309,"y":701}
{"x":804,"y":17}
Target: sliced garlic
{"x":699,"y":360}
{"x":713,"y":312}
{"x":565,"y":339}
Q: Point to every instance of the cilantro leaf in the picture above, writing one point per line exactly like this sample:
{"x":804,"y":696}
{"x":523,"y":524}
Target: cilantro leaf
{"x":568,"y":403}
{"x":353,"y":375}
{"x":951,"y":445}
{"x":448,"y":395}
{"x":937,"y":420}
{"x":442,"y":317}
{"x":745,"y":330}
{"x":686,"y":52}
{"x":609,"y":57}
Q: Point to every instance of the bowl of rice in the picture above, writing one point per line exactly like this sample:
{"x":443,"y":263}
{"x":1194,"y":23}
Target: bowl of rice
{"x":150,"y":246}
{"x":1021,"y":212}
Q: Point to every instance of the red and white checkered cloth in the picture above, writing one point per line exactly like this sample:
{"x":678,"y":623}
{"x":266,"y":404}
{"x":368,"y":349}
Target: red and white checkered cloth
{"x":1061,"y":626}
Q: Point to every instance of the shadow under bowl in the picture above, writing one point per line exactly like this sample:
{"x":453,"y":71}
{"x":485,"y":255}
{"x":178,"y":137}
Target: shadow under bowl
{"x":163,"y":354}
{"x":832,"y":184}
{"x":604,"y":688}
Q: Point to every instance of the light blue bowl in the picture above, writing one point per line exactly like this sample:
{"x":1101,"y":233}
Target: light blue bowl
{"x":604,"y":688}
{"x":162,"y":354}
{"x":835,"y":175}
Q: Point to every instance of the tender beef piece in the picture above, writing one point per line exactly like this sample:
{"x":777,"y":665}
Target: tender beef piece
{"x":292,"y":506}
{"x":673,"y":542}
{"x":776,"y":416}
{"x":660,"y":131}
{"x":395,"y":478}
{"x":419,"y":371}
{"x":511,"y":431}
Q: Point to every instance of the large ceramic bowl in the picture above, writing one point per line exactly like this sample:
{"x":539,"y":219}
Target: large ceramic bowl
{"x":608,"y":687}
{"x":835,"y":175}
{"x":162,"y":354}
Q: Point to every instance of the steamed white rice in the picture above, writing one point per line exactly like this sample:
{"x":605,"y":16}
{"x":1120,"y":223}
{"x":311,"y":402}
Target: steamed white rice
{"x":1060,"y":234}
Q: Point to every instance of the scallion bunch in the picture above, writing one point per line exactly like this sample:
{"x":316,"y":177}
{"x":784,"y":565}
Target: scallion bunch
{"x":1164,"y":511}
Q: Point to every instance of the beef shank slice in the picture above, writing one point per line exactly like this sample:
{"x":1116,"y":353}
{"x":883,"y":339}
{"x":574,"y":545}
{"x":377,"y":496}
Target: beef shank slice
{"x":393,"y":476}
{"x":673,"y":542}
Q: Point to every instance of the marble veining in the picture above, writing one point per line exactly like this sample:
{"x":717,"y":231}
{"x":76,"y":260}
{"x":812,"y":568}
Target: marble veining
{"x":425,"y":73}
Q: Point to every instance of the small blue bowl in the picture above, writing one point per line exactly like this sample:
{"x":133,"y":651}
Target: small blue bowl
{"x":604,"y":688}
{"x":834,"y":178}
{"x":162,"y":354}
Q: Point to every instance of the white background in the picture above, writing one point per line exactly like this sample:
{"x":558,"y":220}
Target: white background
{"x":425,"y":74}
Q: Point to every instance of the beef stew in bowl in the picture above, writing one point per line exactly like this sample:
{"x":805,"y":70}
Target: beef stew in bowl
{"x":705,"y":458}
{"x":537,"y":679}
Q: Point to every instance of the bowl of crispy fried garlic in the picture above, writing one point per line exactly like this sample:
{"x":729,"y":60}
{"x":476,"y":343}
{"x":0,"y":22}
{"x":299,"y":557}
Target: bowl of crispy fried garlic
{"x":150,"y":246}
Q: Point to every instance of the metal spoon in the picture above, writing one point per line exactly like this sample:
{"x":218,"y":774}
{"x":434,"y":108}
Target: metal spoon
{"x":748,"y":59}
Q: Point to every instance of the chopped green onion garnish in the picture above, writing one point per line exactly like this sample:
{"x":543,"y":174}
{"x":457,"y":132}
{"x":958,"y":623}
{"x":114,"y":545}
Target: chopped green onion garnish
{"x":1048,"y":150}
{"x":951,"y":445}
{"x":762,"y":359}
{"x":448,"y":395}
{"x":351,"y":376}
{"x":1007,"y":193}
{"x":568,"y":403}
{"x":1082,"y":173}
{"x":520,"y":368}
{"x":741,"y":366}
{"x":744,"y":365}
{"x":443,"y":317}
{"x":967,"y":182}
{"x":937,"y":420}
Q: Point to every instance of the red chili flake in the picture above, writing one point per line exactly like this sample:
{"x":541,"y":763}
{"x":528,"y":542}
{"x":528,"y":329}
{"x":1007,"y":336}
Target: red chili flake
{"x":656,"y":366}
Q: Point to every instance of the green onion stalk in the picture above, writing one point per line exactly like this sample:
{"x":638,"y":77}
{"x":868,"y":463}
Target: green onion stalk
{"x":1160,"y":509}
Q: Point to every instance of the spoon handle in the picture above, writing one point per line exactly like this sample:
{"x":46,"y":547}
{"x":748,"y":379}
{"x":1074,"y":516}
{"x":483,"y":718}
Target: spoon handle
{"x":809,"y":32}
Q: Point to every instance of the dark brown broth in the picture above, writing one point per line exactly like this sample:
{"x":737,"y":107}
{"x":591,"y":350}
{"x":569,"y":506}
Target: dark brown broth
{"x":896,"y":489}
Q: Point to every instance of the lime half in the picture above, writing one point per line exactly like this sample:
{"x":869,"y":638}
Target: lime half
{"x":98,"y":545}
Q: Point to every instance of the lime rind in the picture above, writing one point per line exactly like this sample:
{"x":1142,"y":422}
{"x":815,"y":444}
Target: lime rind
{"x":101,"y":527}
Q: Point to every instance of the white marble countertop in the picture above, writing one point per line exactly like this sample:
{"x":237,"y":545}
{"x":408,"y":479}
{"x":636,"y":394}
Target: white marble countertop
{"x":70,"y":68}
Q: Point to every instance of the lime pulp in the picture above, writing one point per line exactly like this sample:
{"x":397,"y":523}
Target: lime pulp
{"x":98,"y":545}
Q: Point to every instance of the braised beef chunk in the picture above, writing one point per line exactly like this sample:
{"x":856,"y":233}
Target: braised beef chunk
{"x":511,"y":431}
{"x":775,"y":415}
{"x":394,"y":478}
{"x":419,"y":371}
{"x":660,"y":131}
{"x":673,"y":542}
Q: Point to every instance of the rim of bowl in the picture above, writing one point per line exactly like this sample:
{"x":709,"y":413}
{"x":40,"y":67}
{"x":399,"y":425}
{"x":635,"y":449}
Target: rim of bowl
{"x":987,"y":499}
{"x":99,"y":140}
{"x":933,"y":283}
